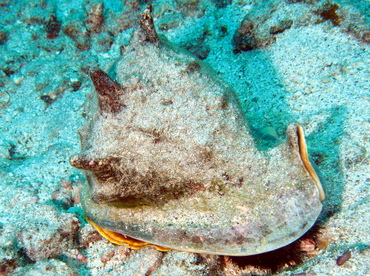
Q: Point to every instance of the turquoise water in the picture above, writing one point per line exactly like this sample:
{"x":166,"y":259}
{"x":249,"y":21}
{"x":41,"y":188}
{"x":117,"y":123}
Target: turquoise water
{"x":303,"y":62}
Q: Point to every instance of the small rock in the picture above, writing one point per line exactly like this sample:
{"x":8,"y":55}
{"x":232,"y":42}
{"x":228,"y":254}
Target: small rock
{"x":88,"y":235}
{"x":7,"y":266}
{"x":46,"y":267}
{"x":52,"y":27}
{"x":63,"y":198}
{"x":244,"y":38}
{"x":3,"y":37}
{"x":38,"y":244}
{"x":79,"y":34}
{"x":281,"y":27}
{"x":344,"y":258}
{"x":95,"y":17}
{"x":119,"y":253}
{"x":4,"y":99}
{"x":325,"y":79}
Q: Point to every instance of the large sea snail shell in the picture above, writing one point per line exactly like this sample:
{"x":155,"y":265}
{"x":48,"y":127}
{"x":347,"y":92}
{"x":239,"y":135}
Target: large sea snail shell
{"x":170,"y":160}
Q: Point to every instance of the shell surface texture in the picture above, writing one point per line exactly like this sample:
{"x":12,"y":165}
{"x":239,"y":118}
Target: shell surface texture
{"x":170,"y":160}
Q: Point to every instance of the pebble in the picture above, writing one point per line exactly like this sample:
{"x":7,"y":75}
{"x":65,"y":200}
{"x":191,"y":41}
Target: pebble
{"x":344,"y":258}
{"x":325,"y":79}
{"x":4,"y":99}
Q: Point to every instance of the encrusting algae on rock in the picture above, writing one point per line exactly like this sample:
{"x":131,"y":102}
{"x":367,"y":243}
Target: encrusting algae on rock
{"x":170,"y":160}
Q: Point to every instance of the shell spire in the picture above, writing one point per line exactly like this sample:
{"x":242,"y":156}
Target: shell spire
{"x":102,"y":168}
{"x":147,"y":30}
{"x":109,"y":91}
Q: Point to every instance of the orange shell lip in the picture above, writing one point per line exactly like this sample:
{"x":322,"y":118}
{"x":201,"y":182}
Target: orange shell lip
{"x":120,"y":239}
{"x":307,"y":163}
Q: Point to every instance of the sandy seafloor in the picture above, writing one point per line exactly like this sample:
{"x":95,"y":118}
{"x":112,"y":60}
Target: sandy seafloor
{"x":313,"y":73}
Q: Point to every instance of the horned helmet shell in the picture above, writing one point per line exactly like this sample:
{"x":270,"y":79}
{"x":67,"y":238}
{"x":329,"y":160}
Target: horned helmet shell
{"x":170,"y":160}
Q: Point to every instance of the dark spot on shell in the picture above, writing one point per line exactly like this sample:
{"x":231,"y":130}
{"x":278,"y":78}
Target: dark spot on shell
{"x":226,"y":176}
{"x":303,"y":225}
{"x":196,"y":186}
{"x":240,"y":182}
{"x":206,"y":154}
{"x":156,"y":134}
{"x":224,"y":103}
{"x":196,"y":240}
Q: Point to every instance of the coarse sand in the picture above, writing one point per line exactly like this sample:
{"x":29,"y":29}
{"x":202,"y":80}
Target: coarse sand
{"x":315,"y":72}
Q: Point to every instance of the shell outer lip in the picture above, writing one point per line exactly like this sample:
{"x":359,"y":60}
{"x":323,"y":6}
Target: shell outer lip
{"x":120,"y":239}
{"x":96,"y":215}
{"x":307,"y":163}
